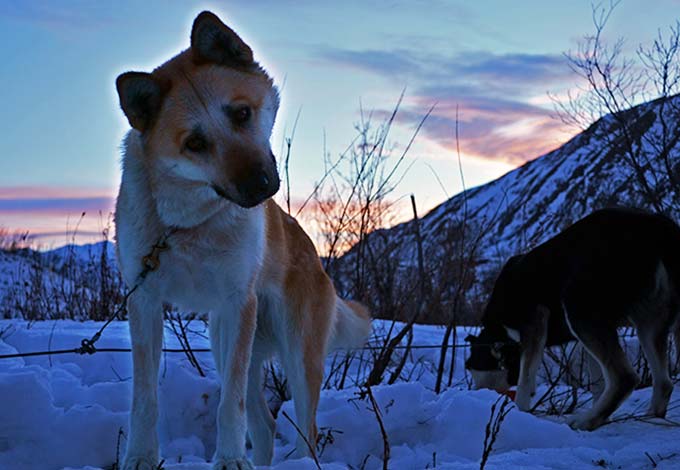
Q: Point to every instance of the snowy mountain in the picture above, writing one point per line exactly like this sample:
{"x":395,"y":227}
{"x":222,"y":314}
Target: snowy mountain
{"x":631,"y":159}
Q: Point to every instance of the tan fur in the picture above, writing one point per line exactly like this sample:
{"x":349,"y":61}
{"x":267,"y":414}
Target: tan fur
{"x":248,"y":321}
{"x":232,"y":253}
{"x":291,"y":259}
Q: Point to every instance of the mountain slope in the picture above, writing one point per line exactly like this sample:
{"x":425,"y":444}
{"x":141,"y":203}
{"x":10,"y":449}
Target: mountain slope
{"x":631,"y":159}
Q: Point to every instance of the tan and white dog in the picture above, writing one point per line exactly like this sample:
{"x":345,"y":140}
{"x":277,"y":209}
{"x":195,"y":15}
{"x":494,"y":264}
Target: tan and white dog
{"x":197,"y":166}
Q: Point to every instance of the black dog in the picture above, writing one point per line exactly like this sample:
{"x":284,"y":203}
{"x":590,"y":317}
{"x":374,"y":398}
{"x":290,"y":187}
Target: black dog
{"x":613,"y":266}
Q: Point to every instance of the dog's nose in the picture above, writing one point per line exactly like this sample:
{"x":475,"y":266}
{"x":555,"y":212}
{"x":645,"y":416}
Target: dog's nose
{"x":257,"y":187}
{"x":256,"y":184}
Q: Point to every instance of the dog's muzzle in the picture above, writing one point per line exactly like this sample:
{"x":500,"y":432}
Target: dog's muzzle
{"x":257,"y":187}
{"x":254,"y":189}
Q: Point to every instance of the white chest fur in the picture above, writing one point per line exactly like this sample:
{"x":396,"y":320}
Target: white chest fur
{"x":201,"y":271}
{"x":206,"y":263}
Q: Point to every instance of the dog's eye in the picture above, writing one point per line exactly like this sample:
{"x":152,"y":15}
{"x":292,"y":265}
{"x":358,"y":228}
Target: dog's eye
{"x":196,"y":143}
{"x":241,"y":115}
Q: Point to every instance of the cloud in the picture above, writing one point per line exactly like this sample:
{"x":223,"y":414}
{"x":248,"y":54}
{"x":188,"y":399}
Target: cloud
{"x":54,"y":199}
{"x":380,"y":62}
{"x":512,"y":140}
{"x":56,"y":204}
{"x":517,"y":69}
{"x":491,"y":93}
{"x":54,"y":215}
{"x":514,"y":69}
{"x":492,"y":128}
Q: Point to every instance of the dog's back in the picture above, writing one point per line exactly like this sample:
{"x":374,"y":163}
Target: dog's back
{"x":609,"y":260}
{"x":611,"y":267}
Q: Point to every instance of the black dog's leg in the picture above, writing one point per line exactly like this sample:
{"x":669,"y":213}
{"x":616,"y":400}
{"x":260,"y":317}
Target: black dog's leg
{"x":532,"y":338}
{"x":601,"y":340}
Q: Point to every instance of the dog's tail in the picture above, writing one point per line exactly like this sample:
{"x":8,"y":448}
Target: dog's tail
{"x":352,"y":325}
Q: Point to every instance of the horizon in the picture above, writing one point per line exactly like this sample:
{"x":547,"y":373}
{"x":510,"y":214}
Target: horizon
{"x":489,"y":68}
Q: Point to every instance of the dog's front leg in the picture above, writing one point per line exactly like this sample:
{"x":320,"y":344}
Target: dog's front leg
{"x":533,"y":338}
{"x":232,"y":330}
{"x":146,"y":333}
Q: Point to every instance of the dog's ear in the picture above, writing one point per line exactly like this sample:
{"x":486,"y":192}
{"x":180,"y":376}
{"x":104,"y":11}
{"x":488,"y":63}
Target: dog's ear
{"x":470,"y":338}
{"x":140,"y":97}
{"x":213,"y":41}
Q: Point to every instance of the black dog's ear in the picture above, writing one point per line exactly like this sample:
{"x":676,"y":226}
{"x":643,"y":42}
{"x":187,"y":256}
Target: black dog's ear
{"x":470,"y":338}
{"x":213,"y":41}
{"x":140,"y":98}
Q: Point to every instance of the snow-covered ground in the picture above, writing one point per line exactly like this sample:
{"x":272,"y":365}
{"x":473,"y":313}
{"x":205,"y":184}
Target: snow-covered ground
{"x":66,"y":412}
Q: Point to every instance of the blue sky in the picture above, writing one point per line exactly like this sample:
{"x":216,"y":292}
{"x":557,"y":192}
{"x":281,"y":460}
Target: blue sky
{"x":493,"y":60}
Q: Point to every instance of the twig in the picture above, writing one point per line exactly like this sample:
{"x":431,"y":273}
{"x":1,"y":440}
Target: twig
{"x":493,"y":427}
{"x":312,"y":452}
{"x":121,"y":434}
{"x":651,"y":459}
{"x":378,"y":416}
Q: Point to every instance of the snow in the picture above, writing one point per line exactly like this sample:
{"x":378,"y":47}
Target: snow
{"x":66,"y":411}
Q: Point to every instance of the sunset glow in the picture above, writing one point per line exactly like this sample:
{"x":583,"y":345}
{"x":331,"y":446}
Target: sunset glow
{"x":485,"y":68}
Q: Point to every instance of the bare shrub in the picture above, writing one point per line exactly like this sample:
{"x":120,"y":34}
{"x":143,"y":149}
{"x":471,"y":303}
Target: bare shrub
{"x":612,"y":83}
{"x":69,"y":283}
{"x":12,"y":241}
{"x":349,"y":205}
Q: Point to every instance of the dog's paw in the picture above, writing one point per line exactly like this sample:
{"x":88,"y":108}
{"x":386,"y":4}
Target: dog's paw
{"x":584,"y":422}
{"x":139,"y":463}
{"x":659,"y":406}
{"x":657,"y":410}
{"x":233,"y":464}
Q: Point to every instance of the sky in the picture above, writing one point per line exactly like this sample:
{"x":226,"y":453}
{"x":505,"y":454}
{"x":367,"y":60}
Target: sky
{"x":490,"y":63}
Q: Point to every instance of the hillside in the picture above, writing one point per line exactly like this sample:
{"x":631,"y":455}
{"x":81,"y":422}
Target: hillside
{"x":490,"y":223}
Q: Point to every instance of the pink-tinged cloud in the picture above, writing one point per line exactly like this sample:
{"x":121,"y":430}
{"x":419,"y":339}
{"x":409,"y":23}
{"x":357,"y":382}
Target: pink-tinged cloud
{"x":506,"y":131}
{"x":54,"y":216}
{"x":492,"y":92}
{"x":66,"y":205}
{"x":38,"y":192}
